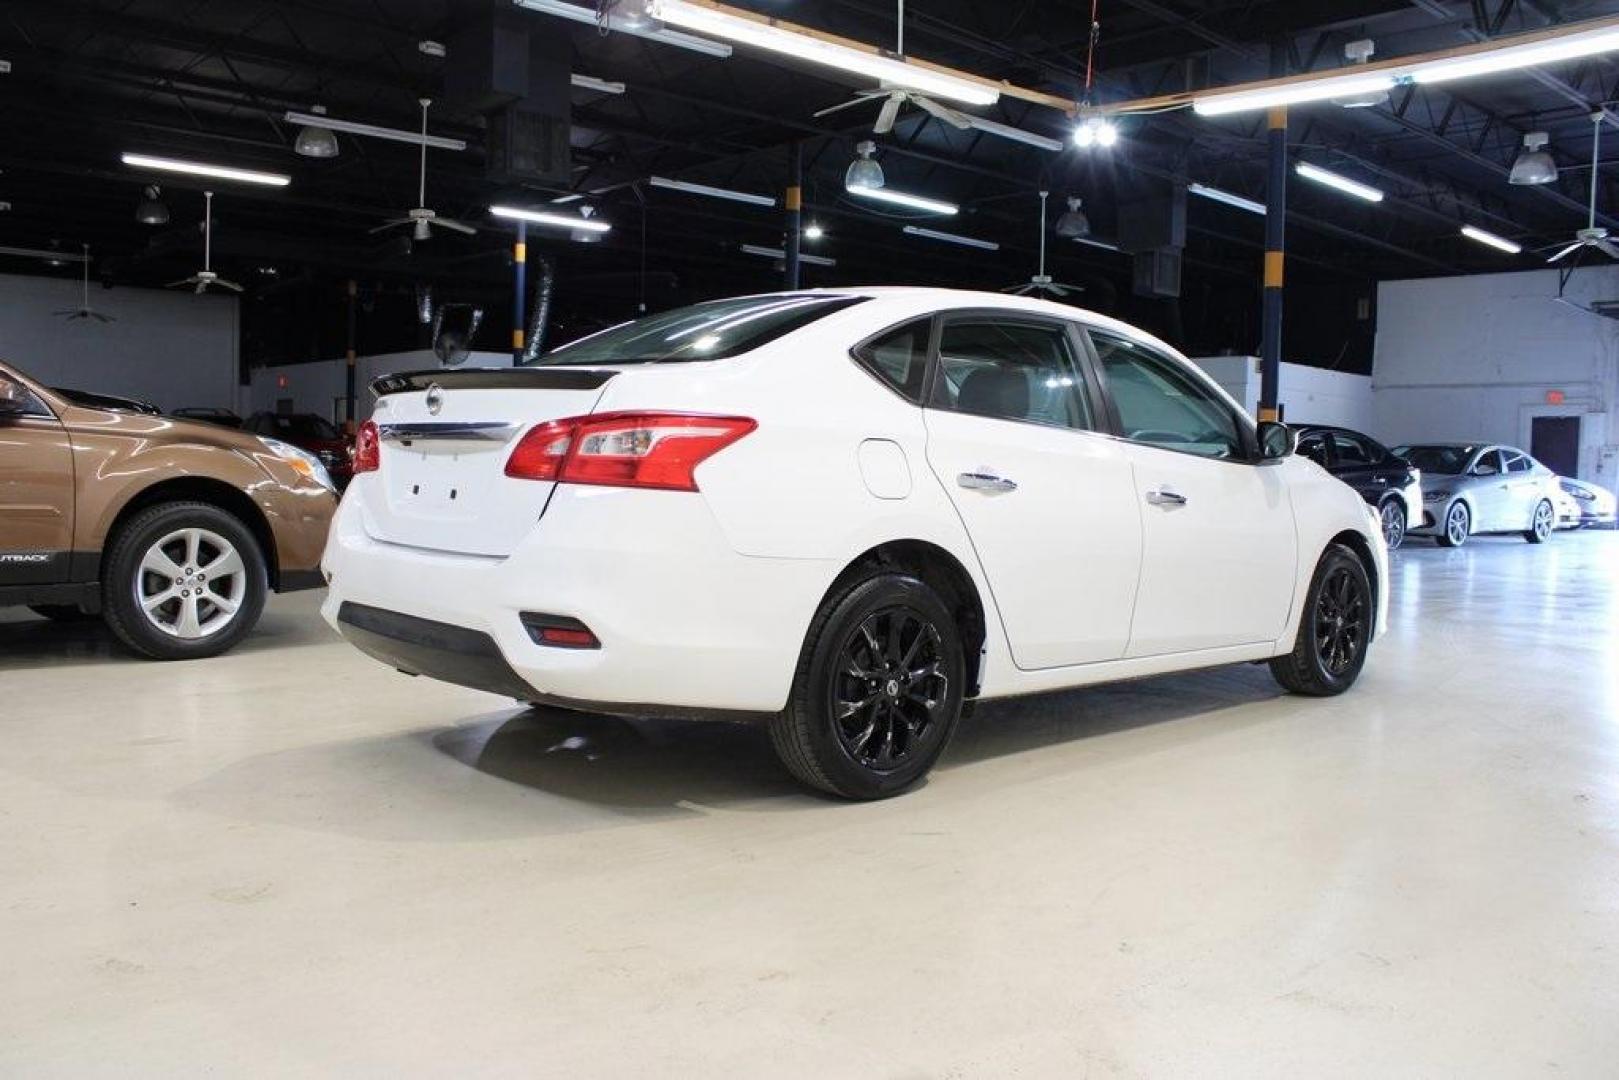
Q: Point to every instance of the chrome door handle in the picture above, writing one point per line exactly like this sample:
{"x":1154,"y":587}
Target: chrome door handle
{"x":985,"y":481}
{"x":1165,"y":497}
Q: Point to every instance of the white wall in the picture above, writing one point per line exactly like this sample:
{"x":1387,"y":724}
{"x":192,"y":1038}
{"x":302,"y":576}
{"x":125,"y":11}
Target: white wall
{"x":171,"y":348}
{"x":1474,"y":358}
{"x":318,"y":387}
{"x":1308,"y":395}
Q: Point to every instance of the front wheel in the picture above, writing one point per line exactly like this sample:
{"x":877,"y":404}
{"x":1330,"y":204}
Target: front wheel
{"x":878,"y":690}
{"x":1458,"y":525}
{"x":1545,"y":520}
{"x":1334,"y":630}
{"x":1392,"y":518}
{"x":183,"y":580}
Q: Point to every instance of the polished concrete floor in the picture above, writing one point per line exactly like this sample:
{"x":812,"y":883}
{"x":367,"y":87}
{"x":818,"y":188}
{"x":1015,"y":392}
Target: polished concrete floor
{"x":292,"y":861}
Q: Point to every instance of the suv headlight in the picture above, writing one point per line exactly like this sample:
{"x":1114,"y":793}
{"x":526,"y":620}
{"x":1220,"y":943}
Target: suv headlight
{"x":1436,"y":495}
{"x":303,"y":462}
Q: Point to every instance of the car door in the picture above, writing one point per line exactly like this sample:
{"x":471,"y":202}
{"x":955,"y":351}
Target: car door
{"x":1488,"y":492}
{"x":1047,"y":500}
{"x":1358,"y":466}
{"x":36,"y":489}
{"x":1219,"y":547}
{"x":1524,"y":489}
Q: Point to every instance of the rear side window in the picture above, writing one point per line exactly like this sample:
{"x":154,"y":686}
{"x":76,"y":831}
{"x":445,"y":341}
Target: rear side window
{"x":1009,"y":370}
{"x":1517,"y":463}
{"x":1352,"y":451}
{"x":899,"y":357}
{"x":717,"y":330}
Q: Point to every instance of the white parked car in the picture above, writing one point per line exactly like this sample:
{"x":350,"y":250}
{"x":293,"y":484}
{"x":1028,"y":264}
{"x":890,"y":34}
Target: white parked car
{"x":1584,"y":505}
{"x":845,"y":513}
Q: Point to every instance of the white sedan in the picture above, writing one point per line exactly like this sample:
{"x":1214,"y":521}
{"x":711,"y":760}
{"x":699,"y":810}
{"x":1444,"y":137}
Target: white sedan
{"x":844,"y":513}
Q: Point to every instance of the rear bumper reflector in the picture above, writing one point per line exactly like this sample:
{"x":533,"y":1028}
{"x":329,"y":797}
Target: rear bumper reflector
{"x":558,"y":631}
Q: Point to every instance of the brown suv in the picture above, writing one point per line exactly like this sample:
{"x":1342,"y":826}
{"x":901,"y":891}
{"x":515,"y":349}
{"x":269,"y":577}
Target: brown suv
{"x":173,"y":530}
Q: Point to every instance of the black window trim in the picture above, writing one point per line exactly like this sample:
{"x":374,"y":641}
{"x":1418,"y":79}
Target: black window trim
{"x":1078,"y":350}
{"x":932,"y":319}
{"x":1246,"y":429}
{"x":41,"y":408}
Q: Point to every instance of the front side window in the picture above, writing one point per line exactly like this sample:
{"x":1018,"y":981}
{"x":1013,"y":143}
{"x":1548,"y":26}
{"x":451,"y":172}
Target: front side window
{"x":1161,"y":405}
{"x":1488,"y":464}
{"x":1313,"y":445}
{"x":717,"y":330}
{"x":1009,"y":370}
{"x":899,"y":357}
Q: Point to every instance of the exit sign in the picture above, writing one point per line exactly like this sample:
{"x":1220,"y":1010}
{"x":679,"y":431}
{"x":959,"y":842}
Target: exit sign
{"x":1555,"y":397}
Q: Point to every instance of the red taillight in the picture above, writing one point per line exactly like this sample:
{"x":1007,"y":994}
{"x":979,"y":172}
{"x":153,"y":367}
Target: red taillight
{"x":644,"y":450}
{"x":367,"y":448}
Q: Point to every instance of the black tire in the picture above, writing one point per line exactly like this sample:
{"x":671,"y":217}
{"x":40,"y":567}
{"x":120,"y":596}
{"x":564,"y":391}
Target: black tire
{"x":1391,"y":517}
{"x":123,"y":575}
{"x":866,"y":643}
{"x":1454,"y":537}
{"x":1544,"y":523}
{"x":1334,"y":630}
{"x":63,"y":613}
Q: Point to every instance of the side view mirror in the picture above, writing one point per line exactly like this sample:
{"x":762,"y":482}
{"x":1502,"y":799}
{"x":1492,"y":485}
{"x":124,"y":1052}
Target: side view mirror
{"x":14,"y":399}
{"x":1276,"y":441}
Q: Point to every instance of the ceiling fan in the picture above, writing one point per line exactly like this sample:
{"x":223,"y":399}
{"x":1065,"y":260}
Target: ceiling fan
{"x":893,"y":98}
{"x":84,"y":310}
{"x":206,"y":276}
{"x":1042,"y":282}
{"x":421,"y":219}
{"x":1593,"y":235}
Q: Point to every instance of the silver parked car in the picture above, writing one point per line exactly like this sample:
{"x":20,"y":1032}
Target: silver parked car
{"x":1481,"y":488}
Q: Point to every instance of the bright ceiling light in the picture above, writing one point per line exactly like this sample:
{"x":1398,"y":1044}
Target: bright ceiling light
{"x":900,"y":198}
{"x":778,"y":253}
{"x":1228,"y":198}
{"x":813,"y":231}
{"x":194,"y":168}
{"x":712,"y":192}
{"x":1534,"y":164}
{"x":416,"y":138}
{"x":1096,"y":131}
{"x":601,"y":86}
{"x":764,"y":33}
{"x":316,"y":140}
{"x":864,"y":171}
{"x":1342,"y":183}
{"x":651,"y":31}
{"x":1511,"y":57}
{"x":1294,"y":93}
{"x":1500,"y":243}
{"x":541,"y":217}
{"x":952,"y":238}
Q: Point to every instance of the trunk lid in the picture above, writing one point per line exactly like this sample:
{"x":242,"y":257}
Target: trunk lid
{"x":445,"y":439}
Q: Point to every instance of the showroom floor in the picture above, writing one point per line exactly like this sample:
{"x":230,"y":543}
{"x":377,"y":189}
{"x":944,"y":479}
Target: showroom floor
{"x":292,"y":860}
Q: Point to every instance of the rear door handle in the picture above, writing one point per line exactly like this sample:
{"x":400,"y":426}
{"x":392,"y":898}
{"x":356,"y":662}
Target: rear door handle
{"x":985,"y":481}
{"x":1166,"y":497}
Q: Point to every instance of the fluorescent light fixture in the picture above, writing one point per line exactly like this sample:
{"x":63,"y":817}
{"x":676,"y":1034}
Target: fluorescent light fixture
{"x":590,"y":82}
{"x":1500,"y":243}
{"x":711,"y":192}
{"x":562,"y":199}
{"x":561,"y":221}
{"x":1297,"y":93}
{"x":900,"y":198}
{"x":953,"y":238}
{"x":1007,"y":131}
{"x":778,"y":253}
{"x":1511,"y":57}
{"x":614,"y":22}
{"x":1342,"y":183}
{"x":765,"y":33}
{"x":416,"y":138}
{"x":1228,"y":198}
{"x":48,"y":254}
{"x":1103,"y":244}
{"x":218,"y":172}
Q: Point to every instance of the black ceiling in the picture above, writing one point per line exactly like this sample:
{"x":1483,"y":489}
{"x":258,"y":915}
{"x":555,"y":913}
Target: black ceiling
{"x":209,"y":80}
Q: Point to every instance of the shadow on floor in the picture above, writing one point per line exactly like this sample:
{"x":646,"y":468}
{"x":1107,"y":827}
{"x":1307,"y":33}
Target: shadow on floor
{"x":30,"y":642}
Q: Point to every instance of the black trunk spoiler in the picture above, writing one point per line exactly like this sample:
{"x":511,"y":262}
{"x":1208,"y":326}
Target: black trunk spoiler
{"x":507,"y":378}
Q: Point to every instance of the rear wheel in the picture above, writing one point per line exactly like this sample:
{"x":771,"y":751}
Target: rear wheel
{"x":1457,"y":525}
{"x":1334,"y":630}
{"x":1392,"y":518}
{"x":878,"y":691}
{"x":183,"y":581}
{"x":65,"y":613}
{"x":1545,"y":520}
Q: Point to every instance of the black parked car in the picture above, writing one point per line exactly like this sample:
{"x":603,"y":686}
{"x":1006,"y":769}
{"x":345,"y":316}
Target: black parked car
{"x":1385,"y":481}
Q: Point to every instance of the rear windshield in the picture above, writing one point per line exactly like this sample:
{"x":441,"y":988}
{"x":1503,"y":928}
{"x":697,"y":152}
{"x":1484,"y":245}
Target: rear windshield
{"x":1444,"y":460}
{"x":716,"y":330}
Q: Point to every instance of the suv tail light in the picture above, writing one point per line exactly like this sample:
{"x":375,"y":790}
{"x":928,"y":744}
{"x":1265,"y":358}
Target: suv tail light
{"x":625,"y":449}
{"x":367,"y":448}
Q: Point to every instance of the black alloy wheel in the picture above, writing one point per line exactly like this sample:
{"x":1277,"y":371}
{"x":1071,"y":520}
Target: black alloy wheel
{"x":890,"y":688}
{"x":1341,"y":621}
{"x":1334,"y":630}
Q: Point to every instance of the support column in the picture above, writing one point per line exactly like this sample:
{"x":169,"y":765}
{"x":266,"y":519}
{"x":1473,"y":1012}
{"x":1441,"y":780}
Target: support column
{"x":795,"y":214}
{"x":519,"y":290}
{"x":350,"y":359}
{"x":1270,"y":370}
